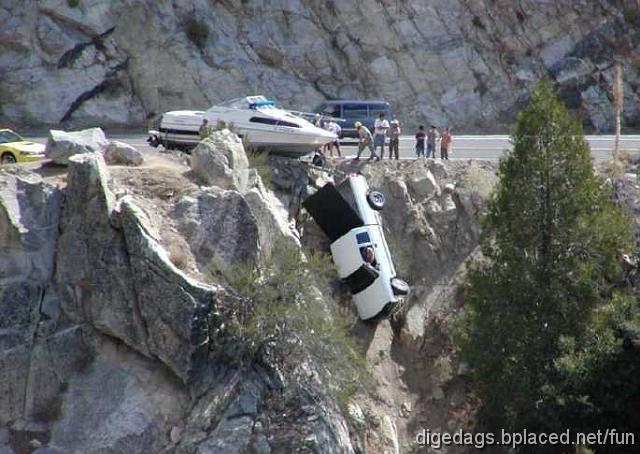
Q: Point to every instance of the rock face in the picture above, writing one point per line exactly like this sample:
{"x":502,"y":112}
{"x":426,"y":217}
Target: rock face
{"x":106,"y":346}
{"x":460,"y":63}
{"x":117,"y":278}
{"x":220,"y":160}
{"x":122,"y":153}
{"x":220,"y":229}
{"x":39,"y":351}
{"x":61,"y":145}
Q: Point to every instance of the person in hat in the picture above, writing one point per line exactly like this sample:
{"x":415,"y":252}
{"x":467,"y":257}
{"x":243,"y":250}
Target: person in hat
{"x":394,"y":139}
{"x":366,"y":141}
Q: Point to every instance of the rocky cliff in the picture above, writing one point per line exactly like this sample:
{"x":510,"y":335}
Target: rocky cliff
{"x":466,"y":63}
{"x":115,"y":303}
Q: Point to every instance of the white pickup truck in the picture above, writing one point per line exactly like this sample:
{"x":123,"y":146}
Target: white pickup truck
{"x":348,"y":214}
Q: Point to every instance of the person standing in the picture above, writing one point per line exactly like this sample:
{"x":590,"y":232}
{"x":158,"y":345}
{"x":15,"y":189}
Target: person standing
{"x":205,"y":129}
{"x":420,"y":140}
{"x":446,"y":139}
{"x":381,"y":125}
{"x":432,"y":137}
{"x":394,"y":139}
{"x":366,"y":141}
{"x":335,"y":128}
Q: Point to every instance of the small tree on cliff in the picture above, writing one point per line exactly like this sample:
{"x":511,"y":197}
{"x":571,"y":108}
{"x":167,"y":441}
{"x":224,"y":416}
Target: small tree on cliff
{"x":552,"y":239}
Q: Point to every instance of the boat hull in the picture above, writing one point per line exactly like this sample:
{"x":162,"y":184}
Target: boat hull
{"x":179,"y":129}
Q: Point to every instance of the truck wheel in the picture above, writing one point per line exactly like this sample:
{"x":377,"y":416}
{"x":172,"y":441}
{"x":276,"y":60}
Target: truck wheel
{"x":8,"y":158}
{"x":399,"y":287}
{"x":376,"y":200}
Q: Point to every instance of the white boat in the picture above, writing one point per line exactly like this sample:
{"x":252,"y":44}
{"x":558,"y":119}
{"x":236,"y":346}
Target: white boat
{"x":265,"y":127}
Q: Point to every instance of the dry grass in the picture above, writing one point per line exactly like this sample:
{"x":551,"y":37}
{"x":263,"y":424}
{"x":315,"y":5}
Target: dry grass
{"x":157,"y":182}
{"x":156,"y":187}
{"x":178,"y":250}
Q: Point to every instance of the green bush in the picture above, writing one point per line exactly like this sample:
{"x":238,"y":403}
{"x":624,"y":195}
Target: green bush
{"x":282,"y":316}
{"x":73,"y":3}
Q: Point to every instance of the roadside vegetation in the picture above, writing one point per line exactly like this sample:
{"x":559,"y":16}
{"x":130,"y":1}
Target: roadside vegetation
{"x":547,"y":310}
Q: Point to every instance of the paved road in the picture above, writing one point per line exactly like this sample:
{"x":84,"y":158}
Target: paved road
{"x":464,"y":147}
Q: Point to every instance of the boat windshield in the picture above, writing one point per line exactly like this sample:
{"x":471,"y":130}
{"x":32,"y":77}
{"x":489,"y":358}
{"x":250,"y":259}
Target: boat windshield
{"x":249,"y":102}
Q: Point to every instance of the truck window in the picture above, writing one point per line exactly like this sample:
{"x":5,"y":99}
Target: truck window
{"x":362,"y":278}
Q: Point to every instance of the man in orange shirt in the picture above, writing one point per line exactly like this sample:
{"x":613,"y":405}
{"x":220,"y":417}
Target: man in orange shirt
{"x":446,"y":139}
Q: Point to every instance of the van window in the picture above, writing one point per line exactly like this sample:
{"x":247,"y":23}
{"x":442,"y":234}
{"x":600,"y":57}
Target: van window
{"x":375,"y":109}
{"x":355,"y":110}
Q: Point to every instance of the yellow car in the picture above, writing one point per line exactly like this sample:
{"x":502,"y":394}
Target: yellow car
{"x":14,"y":148}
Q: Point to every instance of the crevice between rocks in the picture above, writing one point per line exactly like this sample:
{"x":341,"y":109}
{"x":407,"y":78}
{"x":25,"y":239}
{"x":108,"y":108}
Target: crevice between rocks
{"x":95,"y":91}
{"x":72,"y":54}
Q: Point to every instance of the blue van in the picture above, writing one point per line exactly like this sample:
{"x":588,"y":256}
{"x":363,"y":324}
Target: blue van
{"x":351,"y":111}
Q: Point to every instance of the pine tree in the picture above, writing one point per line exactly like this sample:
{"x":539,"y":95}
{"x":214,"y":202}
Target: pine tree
{"x":551,"y":239}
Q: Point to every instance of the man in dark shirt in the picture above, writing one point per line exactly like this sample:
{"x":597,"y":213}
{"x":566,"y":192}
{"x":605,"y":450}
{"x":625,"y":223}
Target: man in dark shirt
{"x":432,"y":136}
{"x":420,"y":138}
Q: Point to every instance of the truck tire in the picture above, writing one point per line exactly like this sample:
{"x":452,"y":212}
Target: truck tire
{"x":399,"y":287}
{"x":376,"y":200}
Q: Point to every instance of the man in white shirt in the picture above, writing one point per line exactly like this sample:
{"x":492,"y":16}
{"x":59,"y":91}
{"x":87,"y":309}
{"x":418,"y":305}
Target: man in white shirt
{"x":337,"y":130}
{"x":381,"y":125}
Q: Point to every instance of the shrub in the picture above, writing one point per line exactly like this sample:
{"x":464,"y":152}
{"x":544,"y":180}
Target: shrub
{"x":197,"y":32}
{"x":282,"y":316}
{"x":478,"y":181}
{"x":259,"y":161}
{"x":73,"y":3}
